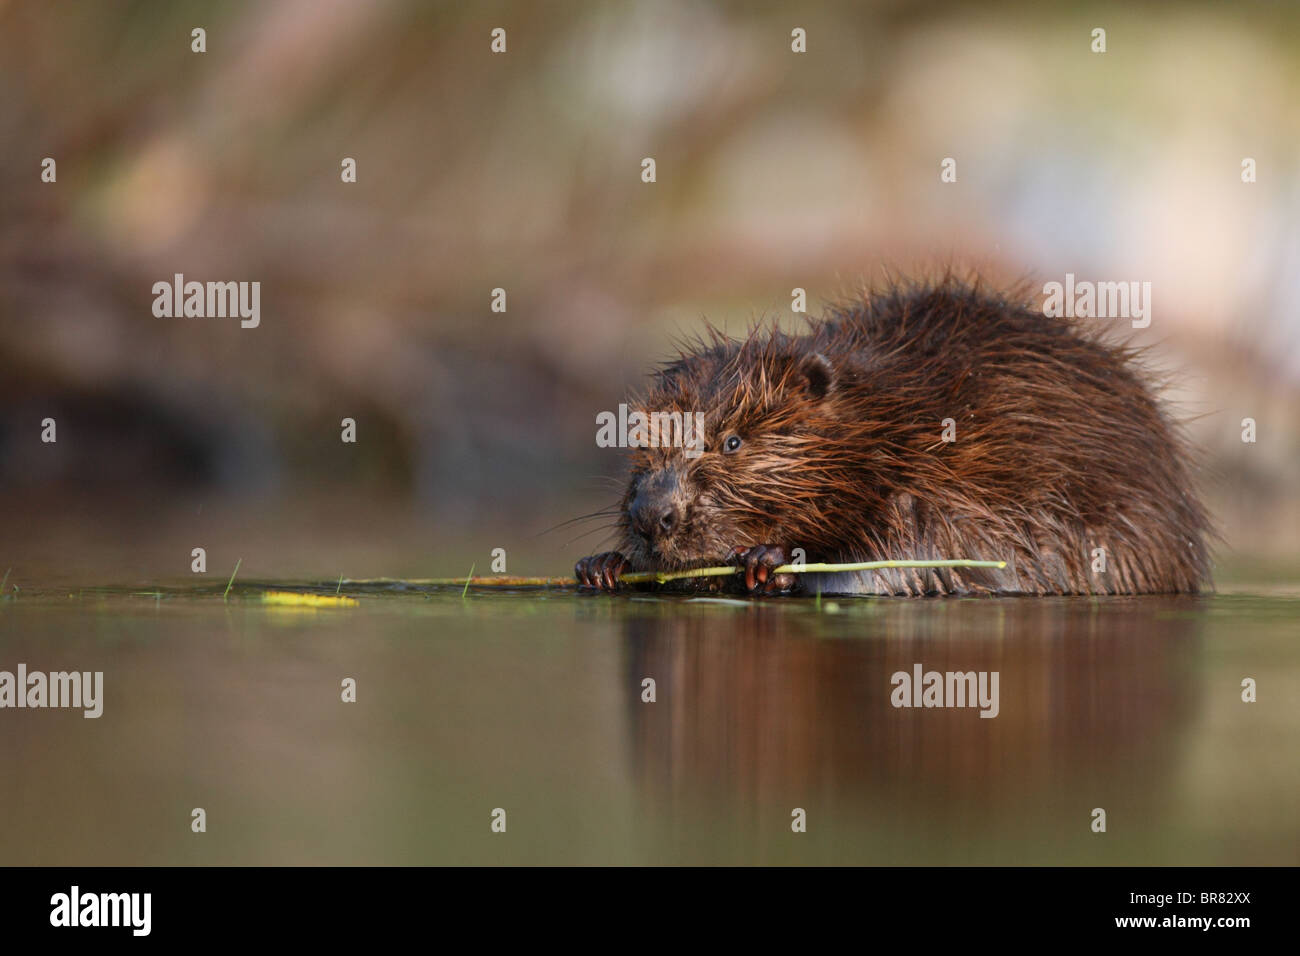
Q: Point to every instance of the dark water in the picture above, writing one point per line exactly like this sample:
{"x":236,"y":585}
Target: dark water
{"x":531,"y":702}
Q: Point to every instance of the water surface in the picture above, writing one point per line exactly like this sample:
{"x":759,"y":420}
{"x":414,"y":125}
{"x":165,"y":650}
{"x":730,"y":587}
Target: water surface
{"x":531,"y":702}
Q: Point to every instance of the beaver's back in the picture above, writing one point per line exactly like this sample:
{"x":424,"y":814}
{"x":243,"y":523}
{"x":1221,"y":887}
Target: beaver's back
{"x":1061,"y":462}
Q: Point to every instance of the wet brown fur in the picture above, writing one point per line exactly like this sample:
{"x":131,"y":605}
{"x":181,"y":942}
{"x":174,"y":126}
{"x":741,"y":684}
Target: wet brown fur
{"x":1061,"y":448}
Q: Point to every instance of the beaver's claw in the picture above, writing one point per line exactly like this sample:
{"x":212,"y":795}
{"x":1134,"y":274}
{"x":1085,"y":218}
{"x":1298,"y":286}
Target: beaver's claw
{"x":759,"y":562}
{"x":600,"y":571}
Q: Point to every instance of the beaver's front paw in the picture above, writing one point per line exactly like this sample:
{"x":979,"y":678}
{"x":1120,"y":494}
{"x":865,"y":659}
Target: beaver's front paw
{"x":600,"y":571}
{"x":759,"y":563}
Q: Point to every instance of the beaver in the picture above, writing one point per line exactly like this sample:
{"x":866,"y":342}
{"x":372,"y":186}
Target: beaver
{"x":923,"y":420}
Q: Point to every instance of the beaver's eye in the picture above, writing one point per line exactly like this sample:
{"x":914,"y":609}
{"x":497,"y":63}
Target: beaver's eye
{"x":731,"y":444}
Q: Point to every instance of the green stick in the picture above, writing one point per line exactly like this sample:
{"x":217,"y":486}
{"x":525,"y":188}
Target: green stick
{"x":663,"y":577}
{"x":238,"y":562}
{"x":495,"y":581}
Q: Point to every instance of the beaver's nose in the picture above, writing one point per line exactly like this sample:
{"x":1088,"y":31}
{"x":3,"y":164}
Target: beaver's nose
{"x":654,"y":512}
{"x":653,"y":517}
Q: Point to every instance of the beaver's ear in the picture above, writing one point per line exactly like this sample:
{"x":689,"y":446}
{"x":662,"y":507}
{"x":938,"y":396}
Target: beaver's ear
{"x":818,"y":375}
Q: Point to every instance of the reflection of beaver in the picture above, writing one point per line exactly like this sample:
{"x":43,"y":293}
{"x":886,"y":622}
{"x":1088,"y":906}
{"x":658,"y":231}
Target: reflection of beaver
{"x":759,"y":711}
{"x":926,"y":422}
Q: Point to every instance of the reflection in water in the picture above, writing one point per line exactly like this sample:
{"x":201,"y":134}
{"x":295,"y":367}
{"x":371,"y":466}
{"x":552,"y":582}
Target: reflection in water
{"x":532,"y":702}
{"x":758,"y":712}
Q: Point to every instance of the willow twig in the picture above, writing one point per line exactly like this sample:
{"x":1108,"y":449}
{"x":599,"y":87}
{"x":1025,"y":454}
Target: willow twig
{"x":663,"y":577}
{"x":231,"y":582}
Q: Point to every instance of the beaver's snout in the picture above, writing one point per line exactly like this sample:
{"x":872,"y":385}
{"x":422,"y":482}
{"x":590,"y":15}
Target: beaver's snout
{"x":657,"y":508}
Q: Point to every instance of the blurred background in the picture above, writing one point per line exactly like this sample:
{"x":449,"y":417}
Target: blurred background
{"x":522,"y":171}
{"x":476,"y":429}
